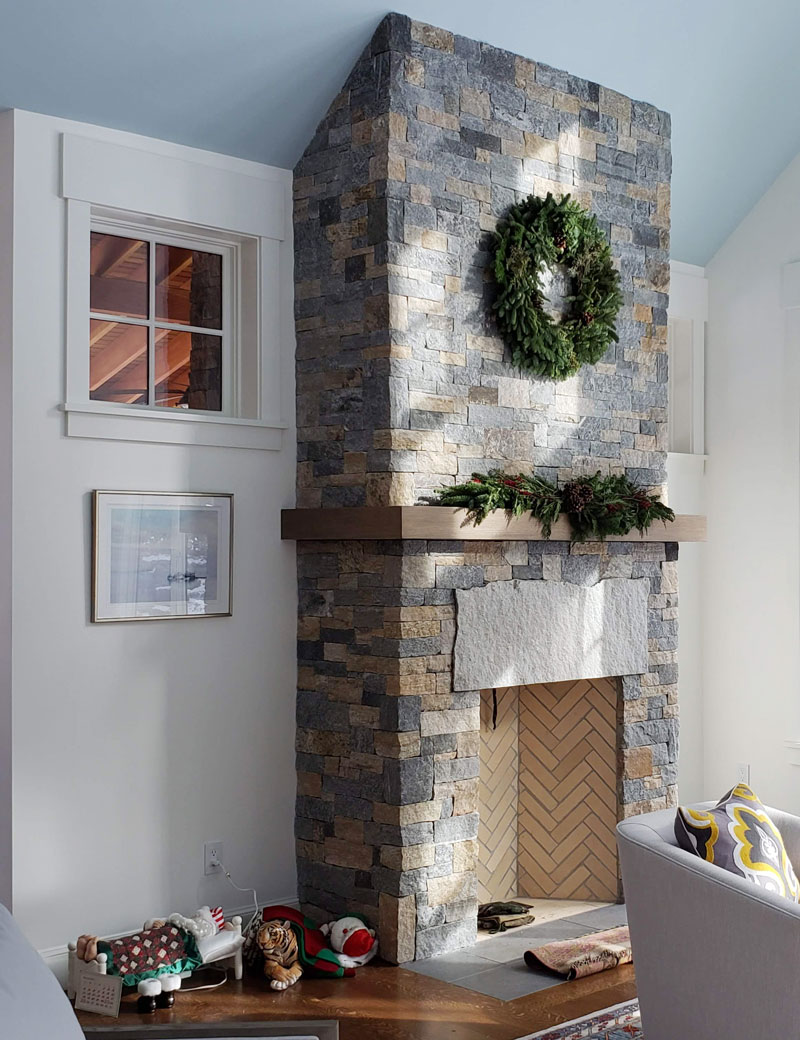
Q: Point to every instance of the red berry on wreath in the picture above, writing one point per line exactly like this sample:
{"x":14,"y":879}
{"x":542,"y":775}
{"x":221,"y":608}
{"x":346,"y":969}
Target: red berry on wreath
{"x":588,"y":317}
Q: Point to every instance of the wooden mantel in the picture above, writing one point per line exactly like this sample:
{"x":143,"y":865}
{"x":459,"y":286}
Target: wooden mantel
{"x":443,"y":522}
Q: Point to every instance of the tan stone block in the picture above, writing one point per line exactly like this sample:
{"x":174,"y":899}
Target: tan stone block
{"x":436,"y":118}
{"x":364,"y":715}
{"x":447,"y":357}
{"x":310,"y":850}
{"x":437,"y":462}
{"x":407,"y":857}
{"x":451,"y":887}
{"x":637,"y":762}
{"x":355,"y":461}
{"x":348,"y":854}
{"x":475,"y":102}
{"x":315,"y":742}
{"x":409,"y":440}
{"x":468,"y":189}
{"x":390,"y":489}
{"x":541,"y":148}
{"x":431,"y":402}
{"x":452,"y":284}
{"x":309,"y":784}
{"x":397,"y":927}
{"x":308,"y":628}
{"x":465,"y":855}
{"x":465,"y":796}
{"x":334,"y":651}
{"x":361,"y":133}
{"x":410,"y":685}
{"x":569,"y":102}
{"x":642,"y":313}
{"x":430,"y":36}
{"x":434,"y":240}
{"x":402,"y":815}
{"x":615,"y":104}
{"x":415,"y":71}
{"x":669,"y":576}
{"x":349,"y":830}
{"x":397,"y":745}
{"x":457,"y":720}
{"x":420,"y":193}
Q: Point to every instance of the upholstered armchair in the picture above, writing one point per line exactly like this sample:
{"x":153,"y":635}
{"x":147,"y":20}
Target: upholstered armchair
{"x":715,"y":955}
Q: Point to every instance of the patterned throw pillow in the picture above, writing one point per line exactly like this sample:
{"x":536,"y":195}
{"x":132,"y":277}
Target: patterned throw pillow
{"x":738,"y":835}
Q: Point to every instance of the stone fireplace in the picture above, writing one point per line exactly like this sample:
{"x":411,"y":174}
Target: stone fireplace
{"x":403,"y":386}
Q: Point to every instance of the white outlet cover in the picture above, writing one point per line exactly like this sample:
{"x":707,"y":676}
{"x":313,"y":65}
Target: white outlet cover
{"x":212,"y":857}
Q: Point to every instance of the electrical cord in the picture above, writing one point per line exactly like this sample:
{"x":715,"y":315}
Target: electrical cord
{"x":252,"y":892}
{"x":207,"y":985}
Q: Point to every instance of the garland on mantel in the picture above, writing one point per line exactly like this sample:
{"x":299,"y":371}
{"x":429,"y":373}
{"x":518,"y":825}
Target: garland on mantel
{"x":596,"y":506}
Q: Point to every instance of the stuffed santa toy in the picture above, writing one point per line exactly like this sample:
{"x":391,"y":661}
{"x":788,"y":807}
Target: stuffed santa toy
{"x":352,"y":940}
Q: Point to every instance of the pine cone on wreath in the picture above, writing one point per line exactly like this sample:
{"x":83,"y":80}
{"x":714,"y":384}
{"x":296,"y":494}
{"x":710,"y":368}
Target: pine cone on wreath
{"x":577,"y":496}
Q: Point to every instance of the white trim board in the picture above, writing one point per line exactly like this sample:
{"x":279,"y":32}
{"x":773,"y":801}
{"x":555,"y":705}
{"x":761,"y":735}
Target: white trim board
{"x":120,"y":177}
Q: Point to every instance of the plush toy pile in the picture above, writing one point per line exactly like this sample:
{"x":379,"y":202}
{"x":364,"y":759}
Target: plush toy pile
{"x":291,"y":945}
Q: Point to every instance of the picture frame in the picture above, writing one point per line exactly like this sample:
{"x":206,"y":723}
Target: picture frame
{"x":160,"y":555}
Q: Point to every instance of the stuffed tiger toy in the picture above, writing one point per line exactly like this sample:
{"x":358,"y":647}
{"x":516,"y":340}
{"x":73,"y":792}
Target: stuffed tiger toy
{"x":278,"y":943}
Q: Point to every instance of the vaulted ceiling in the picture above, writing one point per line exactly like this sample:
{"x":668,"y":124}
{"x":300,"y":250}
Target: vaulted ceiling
{"x":252,"y":77}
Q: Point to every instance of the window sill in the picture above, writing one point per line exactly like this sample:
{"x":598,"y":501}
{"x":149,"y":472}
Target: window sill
{"x":94,"y":419}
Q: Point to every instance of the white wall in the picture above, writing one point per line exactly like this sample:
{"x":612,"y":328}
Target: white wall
{"x":6,"y":283}
{"x":686,"y":484}
{"x":135,"y":743}
{"x":752,"y":616}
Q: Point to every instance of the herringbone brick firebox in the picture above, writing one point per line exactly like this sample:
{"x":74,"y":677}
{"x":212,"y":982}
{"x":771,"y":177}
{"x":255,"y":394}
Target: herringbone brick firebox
{"x":403,"y":386}
{"x":547,"y":795}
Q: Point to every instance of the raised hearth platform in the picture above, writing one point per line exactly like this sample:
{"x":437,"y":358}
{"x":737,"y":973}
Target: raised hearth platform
{"x":442,"y":522}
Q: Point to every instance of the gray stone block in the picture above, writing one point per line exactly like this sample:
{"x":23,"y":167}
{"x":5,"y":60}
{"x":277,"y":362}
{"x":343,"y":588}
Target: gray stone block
{"x":408,"y":780}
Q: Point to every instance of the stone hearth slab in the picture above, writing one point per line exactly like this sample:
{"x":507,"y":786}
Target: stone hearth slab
{"x":515,"y":633}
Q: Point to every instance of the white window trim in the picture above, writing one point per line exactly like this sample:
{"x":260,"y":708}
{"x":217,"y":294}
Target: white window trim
{"x":245,"y":214}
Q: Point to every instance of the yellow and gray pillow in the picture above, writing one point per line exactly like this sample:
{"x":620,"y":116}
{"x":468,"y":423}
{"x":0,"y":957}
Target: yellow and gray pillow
{"x":738,"y":835}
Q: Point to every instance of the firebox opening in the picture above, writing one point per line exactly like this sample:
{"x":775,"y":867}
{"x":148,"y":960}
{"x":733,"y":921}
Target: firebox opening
{"x":548,"y":793}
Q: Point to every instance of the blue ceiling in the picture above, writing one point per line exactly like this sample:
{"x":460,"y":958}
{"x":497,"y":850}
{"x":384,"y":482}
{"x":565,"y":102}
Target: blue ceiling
{"x":252,"y":77}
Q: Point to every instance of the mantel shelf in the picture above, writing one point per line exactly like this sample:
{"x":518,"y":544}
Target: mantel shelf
{"x":445,"y":523}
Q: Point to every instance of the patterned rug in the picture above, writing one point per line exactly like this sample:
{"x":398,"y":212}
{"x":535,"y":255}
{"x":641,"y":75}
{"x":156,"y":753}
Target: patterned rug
{"x":620,"y":1022}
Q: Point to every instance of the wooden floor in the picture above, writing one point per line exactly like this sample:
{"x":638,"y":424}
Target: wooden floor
{"x":387,"y":1003}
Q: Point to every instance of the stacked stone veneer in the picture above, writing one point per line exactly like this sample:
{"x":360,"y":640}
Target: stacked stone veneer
{"x":403,"y":386}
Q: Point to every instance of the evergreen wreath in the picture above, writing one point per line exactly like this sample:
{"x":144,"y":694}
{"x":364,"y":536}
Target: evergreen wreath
{"x":596,"y":506}
{"x":539,"y":233}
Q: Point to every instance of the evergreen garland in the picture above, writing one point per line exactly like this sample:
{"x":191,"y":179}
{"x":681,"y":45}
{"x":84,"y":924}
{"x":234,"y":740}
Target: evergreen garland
{"x":539,"y":233}
{"x":596,"y":506}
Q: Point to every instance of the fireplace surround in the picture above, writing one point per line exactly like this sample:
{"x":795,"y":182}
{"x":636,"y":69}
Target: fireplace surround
{"x":403,"y":386}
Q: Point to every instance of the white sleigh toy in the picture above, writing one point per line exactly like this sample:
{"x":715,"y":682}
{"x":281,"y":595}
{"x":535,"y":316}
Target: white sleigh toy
{"x":218,"y":942}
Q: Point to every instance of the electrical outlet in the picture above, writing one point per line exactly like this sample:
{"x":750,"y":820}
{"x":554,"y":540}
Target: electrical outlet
{"x":743,"y":773}
{"x":212,"y":857}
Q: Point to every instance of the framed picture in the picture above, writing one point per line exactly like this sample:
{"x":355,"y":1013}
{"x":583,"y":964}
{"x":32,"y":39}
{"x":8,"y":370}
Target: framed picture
{"x":161,"y":555}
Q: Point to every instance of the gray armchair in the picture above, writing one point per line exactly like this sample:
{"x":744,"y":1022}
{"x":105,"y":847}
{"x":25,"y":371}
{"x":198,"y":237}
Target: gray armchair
{"x":715,"y":955}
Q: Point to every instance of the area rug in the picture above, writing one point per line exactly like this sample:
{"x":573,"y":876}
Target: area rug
{"x":574,"y":958}
{"x":621,"y":1022}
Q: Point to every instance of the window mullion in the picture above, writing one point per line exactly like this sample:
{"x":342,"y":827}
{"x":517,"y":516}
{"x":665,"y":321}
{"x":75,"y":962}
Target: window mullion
{"x":151,"y":326}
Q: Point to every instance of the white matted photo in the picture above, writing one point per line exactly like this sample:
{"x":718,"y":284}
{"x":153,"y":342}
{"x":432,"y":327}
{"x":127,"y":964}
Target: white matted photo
{"x":161,"y":555}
